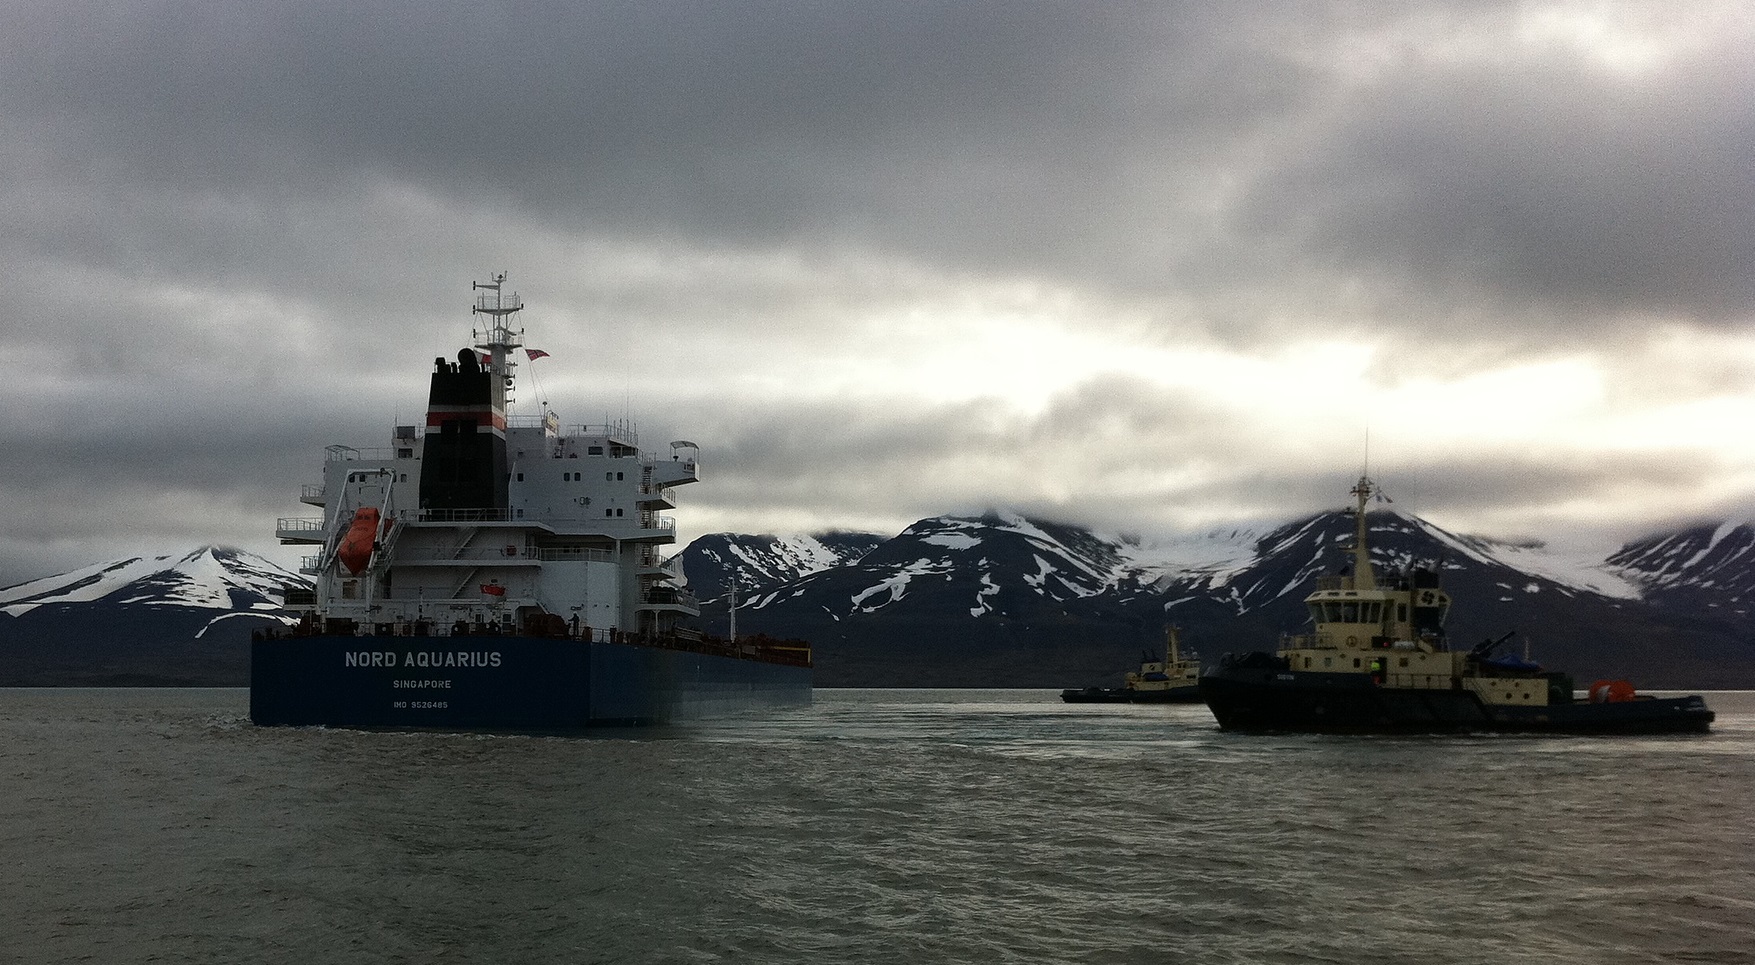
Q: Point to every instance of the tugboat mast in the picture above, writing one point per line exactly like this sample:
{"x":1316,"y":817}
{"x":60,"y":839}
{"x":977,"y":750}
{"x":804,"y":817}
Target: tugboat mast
{"x":1363,"y":577}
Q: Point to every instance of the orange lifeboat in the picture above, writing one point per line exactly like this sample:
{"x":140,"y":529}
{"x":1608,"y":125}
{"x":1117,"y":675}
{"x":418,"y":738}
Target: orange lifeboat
{"x":356,"y":547}
{"x":1611,"y":692}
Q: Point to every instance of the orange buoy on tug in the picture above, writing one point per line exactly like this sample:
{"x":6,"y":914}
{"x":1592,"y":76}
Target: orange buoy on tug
{"x":1611,"y":692}
{"x":356,"y":547}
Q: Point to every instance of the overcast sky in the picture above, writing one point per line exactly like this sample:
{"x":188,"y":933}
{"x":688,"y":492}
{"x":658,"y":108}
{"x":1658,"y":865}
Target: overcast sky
{"x":1147,"y":266}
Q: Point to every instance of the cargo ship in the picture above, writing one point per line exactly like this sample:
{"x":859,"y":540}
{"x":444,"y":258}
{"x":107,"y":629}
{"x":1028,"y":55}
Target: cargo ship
{"x":496,"y":571}
{"x":1175,"y":679}
{"x":1377,"y":661}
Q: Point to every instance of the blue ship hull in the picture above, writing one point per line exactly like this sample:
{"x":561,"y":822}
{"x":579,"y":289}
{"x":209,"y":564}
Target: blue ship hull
{"x":505,"y":683}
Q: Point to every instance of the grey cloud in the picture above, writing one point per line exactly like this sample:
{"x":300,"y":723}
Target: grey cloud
{"x":257,"y":224}
{"x":1157,"y":149}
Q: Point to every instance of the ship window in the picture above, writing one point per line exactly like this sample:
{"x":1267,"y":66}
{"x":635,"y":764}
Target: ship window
{"x":609,"y":477}
{"x":1328,"y":661}
{"x":609,"y":512}
{"x":520,"y":477}
{"x":1355,"y":663}
{"x":1401,"y":612}
{"x":618,"y":477}
{"x":1404,"y":661}
{"x":594,"y":451}
{"x":1306,"y":661}
{"x":1349,"y":613}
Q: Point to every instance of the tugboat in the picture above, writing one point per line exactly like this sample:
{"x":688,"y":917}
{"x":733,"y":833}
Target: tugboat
{"x":1378,"y":662}
{"x":495,"y":571}
{"x":1172,"y":680}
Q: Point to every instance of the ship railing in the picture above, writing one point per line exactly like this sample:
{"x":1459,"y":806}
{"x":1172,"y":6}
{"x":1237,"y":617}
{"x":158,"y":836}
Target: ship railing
{"x":573,"y":554}
{"x":488,"y":515}
{"x":472,"y":554}
{"x":652,"y":459}
{"x":350,"y":454}
{"x":651,"y":564}
{"x":298,"y":525}
{"x":312,"y":493}
{"x":669,"y":596}
{"x":620,"y":432}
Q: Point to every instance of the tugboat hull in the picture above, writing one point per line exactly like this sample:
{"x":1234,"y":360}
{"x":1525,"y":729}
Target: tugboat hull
{"x":1127,"y":695}
{"x":1258,"y":694}
{"x":502,"y":682}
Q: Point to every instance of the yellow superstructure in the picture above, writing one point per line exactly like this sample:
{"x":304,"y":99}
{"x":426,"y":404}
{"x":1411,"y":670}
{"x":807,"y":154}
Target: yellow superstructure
{"x":1394,"y":631}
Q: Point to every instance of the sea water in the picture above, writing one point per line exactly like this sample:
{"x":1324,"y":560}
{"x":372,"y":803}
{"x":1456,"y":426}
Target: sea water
{"x":875,"y":826}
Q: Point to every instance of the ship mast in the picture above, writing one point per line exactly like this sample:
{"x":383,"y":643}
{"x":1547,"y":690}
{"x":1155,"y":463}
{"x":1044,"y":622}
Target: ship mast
{"x":1363,"y":577}
{"x":498,"y":339}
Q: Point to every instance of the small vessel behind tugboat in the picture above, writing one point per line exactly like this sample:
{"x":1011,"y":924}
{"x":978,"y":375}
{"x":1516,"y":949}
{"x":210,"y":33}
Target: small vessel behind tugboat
{"x":1172,"y":680}
{"x":503,"y":572}
{"x":1378,"y":662}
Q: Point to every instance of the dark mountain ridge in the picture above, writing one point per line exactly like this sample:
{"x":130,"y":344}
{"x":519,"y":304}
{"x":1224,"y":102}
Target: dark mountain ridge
{"x":165,"y":621}
{"x":997,"y":600}
{"x":1002,"y":600}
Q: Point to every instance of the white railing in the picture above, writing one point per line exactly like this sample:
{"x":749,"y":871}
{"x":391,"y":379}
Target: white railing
{"x":350,"y":454}
{"x":571,"y":554}
{"x":472,"y":555}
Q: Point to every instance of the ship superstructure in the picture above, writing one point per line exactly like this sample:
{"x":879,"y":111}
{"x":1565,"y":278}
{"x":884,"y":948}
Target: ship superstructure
{"x":482,"y":525}
{"x":1377,"y":659}
{"x":476,"y":519}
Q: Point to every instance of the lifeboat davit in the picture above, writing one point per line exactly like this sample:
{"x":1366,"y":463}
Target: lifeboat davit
{"x":356,"y":547}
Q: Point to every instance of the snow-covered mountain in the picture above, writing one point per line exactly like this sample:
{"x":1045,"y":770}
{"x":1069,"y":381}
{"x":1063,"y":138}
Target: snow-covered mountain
{"x":212,"y":578}
{"x":767,"y":560}
{"x":1024,"y":602}
{"x":998,"y":599}
{"x":1710,"y":568}
{"x":178,"y":618}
